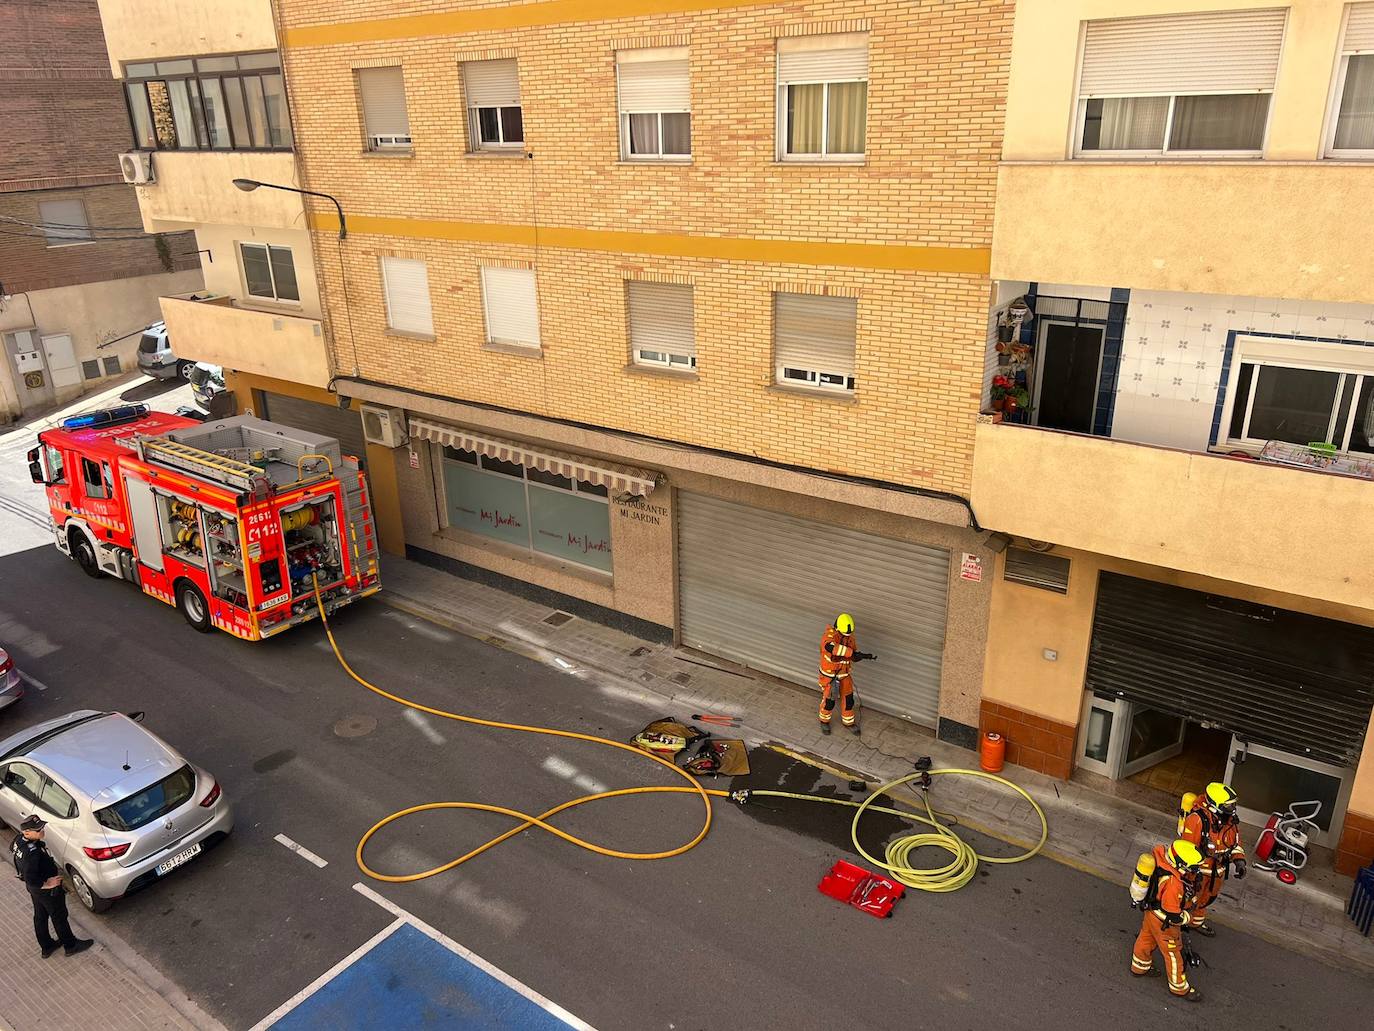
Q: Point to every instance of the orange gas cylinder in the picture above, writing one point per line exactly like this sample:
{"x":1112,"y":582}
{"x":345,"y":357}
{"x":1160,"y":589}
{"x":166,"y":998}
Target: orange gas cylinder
{"x":992,"y":752}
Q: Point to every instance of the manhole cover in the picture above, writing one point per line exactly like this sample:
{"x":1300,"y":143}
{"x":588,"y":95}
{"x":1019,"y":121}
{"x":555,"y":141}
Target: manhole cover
{"x":558,"y":618}
{"x":355,"y":726}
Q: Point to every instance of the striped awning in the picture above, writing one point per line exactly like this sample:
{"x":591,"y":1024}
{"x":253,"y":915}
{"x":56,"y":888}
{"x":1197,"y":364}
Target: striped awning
{"x":622,"y":479}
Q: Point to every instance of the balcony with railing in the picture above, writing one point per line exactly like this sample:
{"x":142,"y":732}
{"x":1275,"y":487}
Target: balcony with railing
{"x":1206,"y":434}
{"x":236,"y":335}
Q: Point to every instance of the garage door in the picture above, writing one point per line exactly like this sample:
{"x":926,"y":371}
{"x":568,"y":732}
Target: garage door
{"x":330,"y":420}
{"x":759,"y":588}
{"x":1298,"y":683}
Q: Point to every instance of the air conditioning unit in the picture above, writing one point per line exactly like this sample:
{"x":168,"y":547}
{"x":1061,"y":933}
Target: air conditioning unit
{"x":137,"y":166}
{"x":384,"y":426}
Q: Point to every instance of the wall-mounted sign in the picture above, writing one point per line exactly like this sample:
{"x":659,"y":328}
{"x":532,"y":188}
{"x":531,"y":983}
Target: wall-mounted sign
{"x":415,"y":459}
{"x":971,"y":568}
{"x":33,"y":380}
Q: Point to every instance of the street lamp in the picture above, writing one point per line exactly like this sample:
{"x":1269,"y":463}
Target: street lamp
{"x":249,"y":185}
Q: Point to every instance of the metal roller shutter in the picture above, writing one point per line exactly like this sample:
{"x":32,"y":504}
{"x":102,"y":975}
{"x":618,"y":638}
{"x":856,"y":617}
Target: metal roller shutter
{"x":1292,"y":681}
{"x":344,"y":425}
{"x":759,"y":588}
{"x":654,"y":80}
{"x":492,"y":83}
{"x":1216,"y":52}
{"x":816,"y":333}
{"x":1359,"y":30}
{"x":831,"y":58}
{"x":384,"y":101}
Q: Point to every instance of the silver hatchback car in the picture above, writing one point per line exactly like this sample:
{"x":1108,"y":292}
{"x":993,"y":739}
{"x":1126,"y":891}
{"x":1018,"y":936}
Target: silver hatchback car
{"x":123,"y":808}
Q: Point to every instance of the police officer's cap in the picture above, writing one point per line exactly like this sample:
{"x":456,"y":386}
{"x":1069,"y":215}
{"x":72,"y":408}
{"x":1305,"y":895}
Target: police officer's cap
{"x":33,"y":823}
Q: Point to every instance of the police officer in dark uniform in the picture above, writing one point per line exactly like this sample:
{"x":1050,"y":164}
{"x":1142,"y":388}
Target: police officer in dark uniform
{"x":44,"y":881}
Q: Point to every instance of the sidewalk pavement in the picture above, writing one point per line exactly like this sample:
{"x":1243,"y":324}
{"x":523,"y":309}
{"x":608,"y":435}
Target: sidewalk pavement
{"x":1099,"y":834}
{"x":108,"y":986}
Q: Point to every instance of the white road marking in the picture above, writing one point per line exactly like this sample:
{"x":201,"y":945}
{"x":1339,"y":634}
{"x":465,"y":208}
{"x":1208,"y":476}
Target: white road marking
{"x":562,"y":768}
{"x":302,"y":851}
{"x":563,"y":662}
{"x":33,"y":681}
{"x":319,"y":982}
{"x":417,"y":719}
{"x":547,"y":1005}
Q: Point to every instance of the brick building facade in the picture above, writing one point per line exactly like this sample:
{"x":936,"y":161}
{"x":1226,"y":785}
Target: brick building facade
{"x":746,"y":494}
{"x":69,"y":289}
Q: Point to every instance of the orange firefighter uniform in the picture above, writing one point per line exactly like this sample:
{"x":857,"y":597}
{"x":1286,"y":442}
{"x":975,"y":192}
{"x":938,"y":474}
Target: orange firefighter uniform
{"x":1167,"y":911}
{"x":838,"y":656}
{"x":1214,"y":828}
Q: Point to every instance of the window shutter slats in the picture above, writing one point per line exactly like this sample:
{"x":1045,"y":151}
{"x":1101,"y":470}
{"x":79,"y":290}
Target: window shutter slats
{"x":384,"y":101}
{"x":1220,"y":52}
{"x":654,"y":80}
{"x":837,"y":58}
{"x":1359,"y":30}
{"x":492,"y":83}
{"x":512,"y":306}
{"x":407,"y":295}
{"x":815,"y":333}
{"x":661,"y":318}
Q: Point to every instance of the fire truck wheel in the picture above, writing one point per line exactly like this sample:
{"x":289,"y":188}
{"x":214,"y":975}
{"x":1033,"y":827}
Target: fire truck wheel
{"x":193,"y":607}
{"x":84,"y":553}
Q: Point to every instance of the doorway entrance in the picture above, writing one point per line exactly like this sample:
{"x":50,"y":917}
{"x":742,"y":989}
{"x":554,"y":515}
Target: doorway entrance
{"x":1070,"y":361}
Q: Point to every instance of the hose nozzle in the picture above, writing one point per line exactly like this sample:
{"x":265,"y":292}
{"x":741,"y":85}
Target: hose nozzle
{"x":741,"y":796}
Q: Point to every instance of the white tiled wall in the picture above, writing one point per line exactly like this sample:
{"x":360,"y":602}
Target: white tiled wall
{"x":1004,"y":292}
{"x":1173,"y":349}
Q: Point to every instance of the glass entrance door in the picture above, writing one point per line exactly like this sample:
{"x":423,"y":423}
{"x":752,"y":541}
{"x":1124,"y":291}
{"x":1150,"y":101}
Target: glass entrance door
{"x":1267,"y":780}
{"x":1121,"y":738}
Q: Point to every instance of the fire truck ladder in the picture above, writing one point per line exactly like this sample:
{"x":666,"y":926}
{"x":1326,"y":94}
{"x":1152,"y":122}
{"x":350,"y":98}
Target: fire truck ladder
{"x":228,"y":471}
{"x":362,"y":531}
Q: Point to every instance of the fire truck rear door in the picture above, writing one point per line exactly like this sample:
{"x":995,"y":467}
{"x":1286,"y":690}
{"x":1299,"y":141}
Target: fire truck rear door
{"x":143,"y":514}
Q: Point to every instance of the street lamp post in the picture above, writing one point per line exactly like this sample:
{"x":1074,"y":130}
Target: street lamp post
{"x":249,"y":185}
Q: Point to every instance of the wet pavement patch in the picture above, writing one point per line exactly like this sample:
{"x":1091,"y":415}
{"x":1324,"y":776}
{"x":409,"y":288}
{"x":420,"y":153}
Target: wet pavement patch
{"x":771,"y":769}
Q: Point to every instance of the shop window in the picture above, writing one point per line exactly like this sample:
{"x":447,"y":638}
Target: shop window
{"x":1301,"y":394}
{"x":540,"y":512}
{"x":1037,"y":569}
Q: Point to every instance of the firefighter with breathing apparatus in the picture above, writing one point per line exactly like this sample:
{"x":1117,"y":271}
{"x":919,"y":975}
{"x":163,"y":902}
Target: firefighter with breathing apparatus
{"x":1210,"y":822}
{"x":1163,"y":887}
{"x":835,"y":680}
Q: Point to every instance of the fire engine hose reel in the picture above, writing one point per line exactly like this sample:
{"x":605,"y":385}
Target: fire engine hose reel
{"x":954,"y":875}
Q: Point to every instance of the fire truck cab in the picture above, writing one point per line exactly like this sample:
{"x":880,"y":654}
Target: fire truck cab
{"x":230,"y":521}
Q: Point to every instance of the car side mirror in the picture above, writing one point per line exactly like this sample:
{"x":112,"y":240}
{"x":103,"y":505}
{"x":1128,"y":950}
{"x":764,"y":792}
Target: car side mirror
{"x":137,"y":716}
{"x":36,"y":473}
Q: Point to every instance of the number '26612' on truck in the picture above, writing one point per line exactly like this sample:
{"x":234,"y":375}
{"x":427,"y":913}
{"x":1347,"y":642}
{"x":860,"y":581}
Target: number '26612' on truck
{"x":231,"y":521}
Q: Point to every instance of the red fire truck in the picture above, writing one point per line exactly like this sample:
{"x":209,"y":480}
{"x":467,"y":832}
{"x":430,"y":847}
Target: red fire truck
{"x":231,"y":521}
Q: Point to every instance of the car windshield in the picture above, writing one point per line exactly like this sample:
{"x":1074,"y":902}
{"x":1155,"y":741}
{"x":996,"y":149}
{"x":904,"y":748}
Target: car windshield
{"x":147,"y":805}
{"x":148,"y":345}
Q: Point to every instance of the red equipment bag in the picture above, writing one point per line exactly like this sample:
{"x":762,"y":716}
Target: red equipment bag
{"x":863,"y":890}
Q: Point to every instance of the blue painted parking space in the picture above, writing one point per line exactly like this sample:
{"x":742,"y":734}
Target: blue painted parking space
{"x":409,"y":980}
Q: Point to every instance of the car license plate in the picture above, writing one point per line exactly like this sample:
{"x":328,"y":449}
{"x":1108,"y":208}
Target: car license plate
{"x":184,"y":856}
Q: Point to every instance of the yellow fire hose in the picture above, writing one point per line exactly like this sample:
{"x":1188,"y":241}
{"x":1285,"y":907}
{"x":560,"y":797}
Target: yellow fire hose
{"x":947,"y":878}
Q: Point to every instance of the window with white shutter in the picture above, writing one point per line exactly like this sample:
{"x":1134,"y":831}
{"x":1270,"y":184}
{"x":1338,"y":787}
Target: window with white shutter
{"x":1179,"y":84}
{"x":511,"y":303}
{"x":661,"y":331}
{"x":655,"y":92}
{"x":405,"y":283}
{"x":822,"y":96}
{"x":64,"y":222}
{"x":813,"y":340}
{"x":495,"y":120}
{"x":1352,"y":123}
{"x":385,"y":122}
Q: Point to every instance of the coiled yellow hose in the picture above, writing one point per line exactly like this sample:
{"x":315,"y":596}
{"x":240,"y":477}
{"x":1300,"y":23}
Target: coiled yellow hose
{"x":947,"y":878}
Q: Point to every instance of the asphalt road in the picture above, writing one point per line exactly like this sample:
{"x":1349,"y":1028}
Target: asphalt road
{"x":732,"y":934}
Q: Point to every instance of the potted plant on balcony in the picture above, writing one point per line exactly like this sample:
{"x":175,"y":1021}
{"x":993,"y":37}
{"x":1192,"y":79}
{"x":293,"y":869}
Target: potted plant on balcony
{"x":1001,"y":388}
{"x":1017,"y":400}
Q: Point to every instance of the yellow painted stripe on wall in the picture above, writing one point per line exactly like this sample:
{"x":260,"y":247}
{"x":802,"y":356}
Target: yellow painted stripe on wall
{"x":969,"y":260}
{"x":512,"y":16}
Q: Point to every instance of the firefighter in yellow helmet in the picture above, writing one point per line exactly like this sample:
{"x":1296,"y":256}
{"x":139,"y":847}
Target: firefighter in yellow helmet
{"x":1213,"y":826}
{"x":1168,"y":905}
{"x":838,"y":656}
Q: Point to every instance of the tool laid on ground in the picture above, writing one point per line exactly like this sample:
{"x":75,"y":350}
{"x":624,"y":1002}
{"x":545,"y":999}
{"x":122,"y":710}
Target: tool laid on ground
{"x":863,"y":890}
{"x":950,"y":877}
{"x":724,"y":721}
{"x":1282,"y":845}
